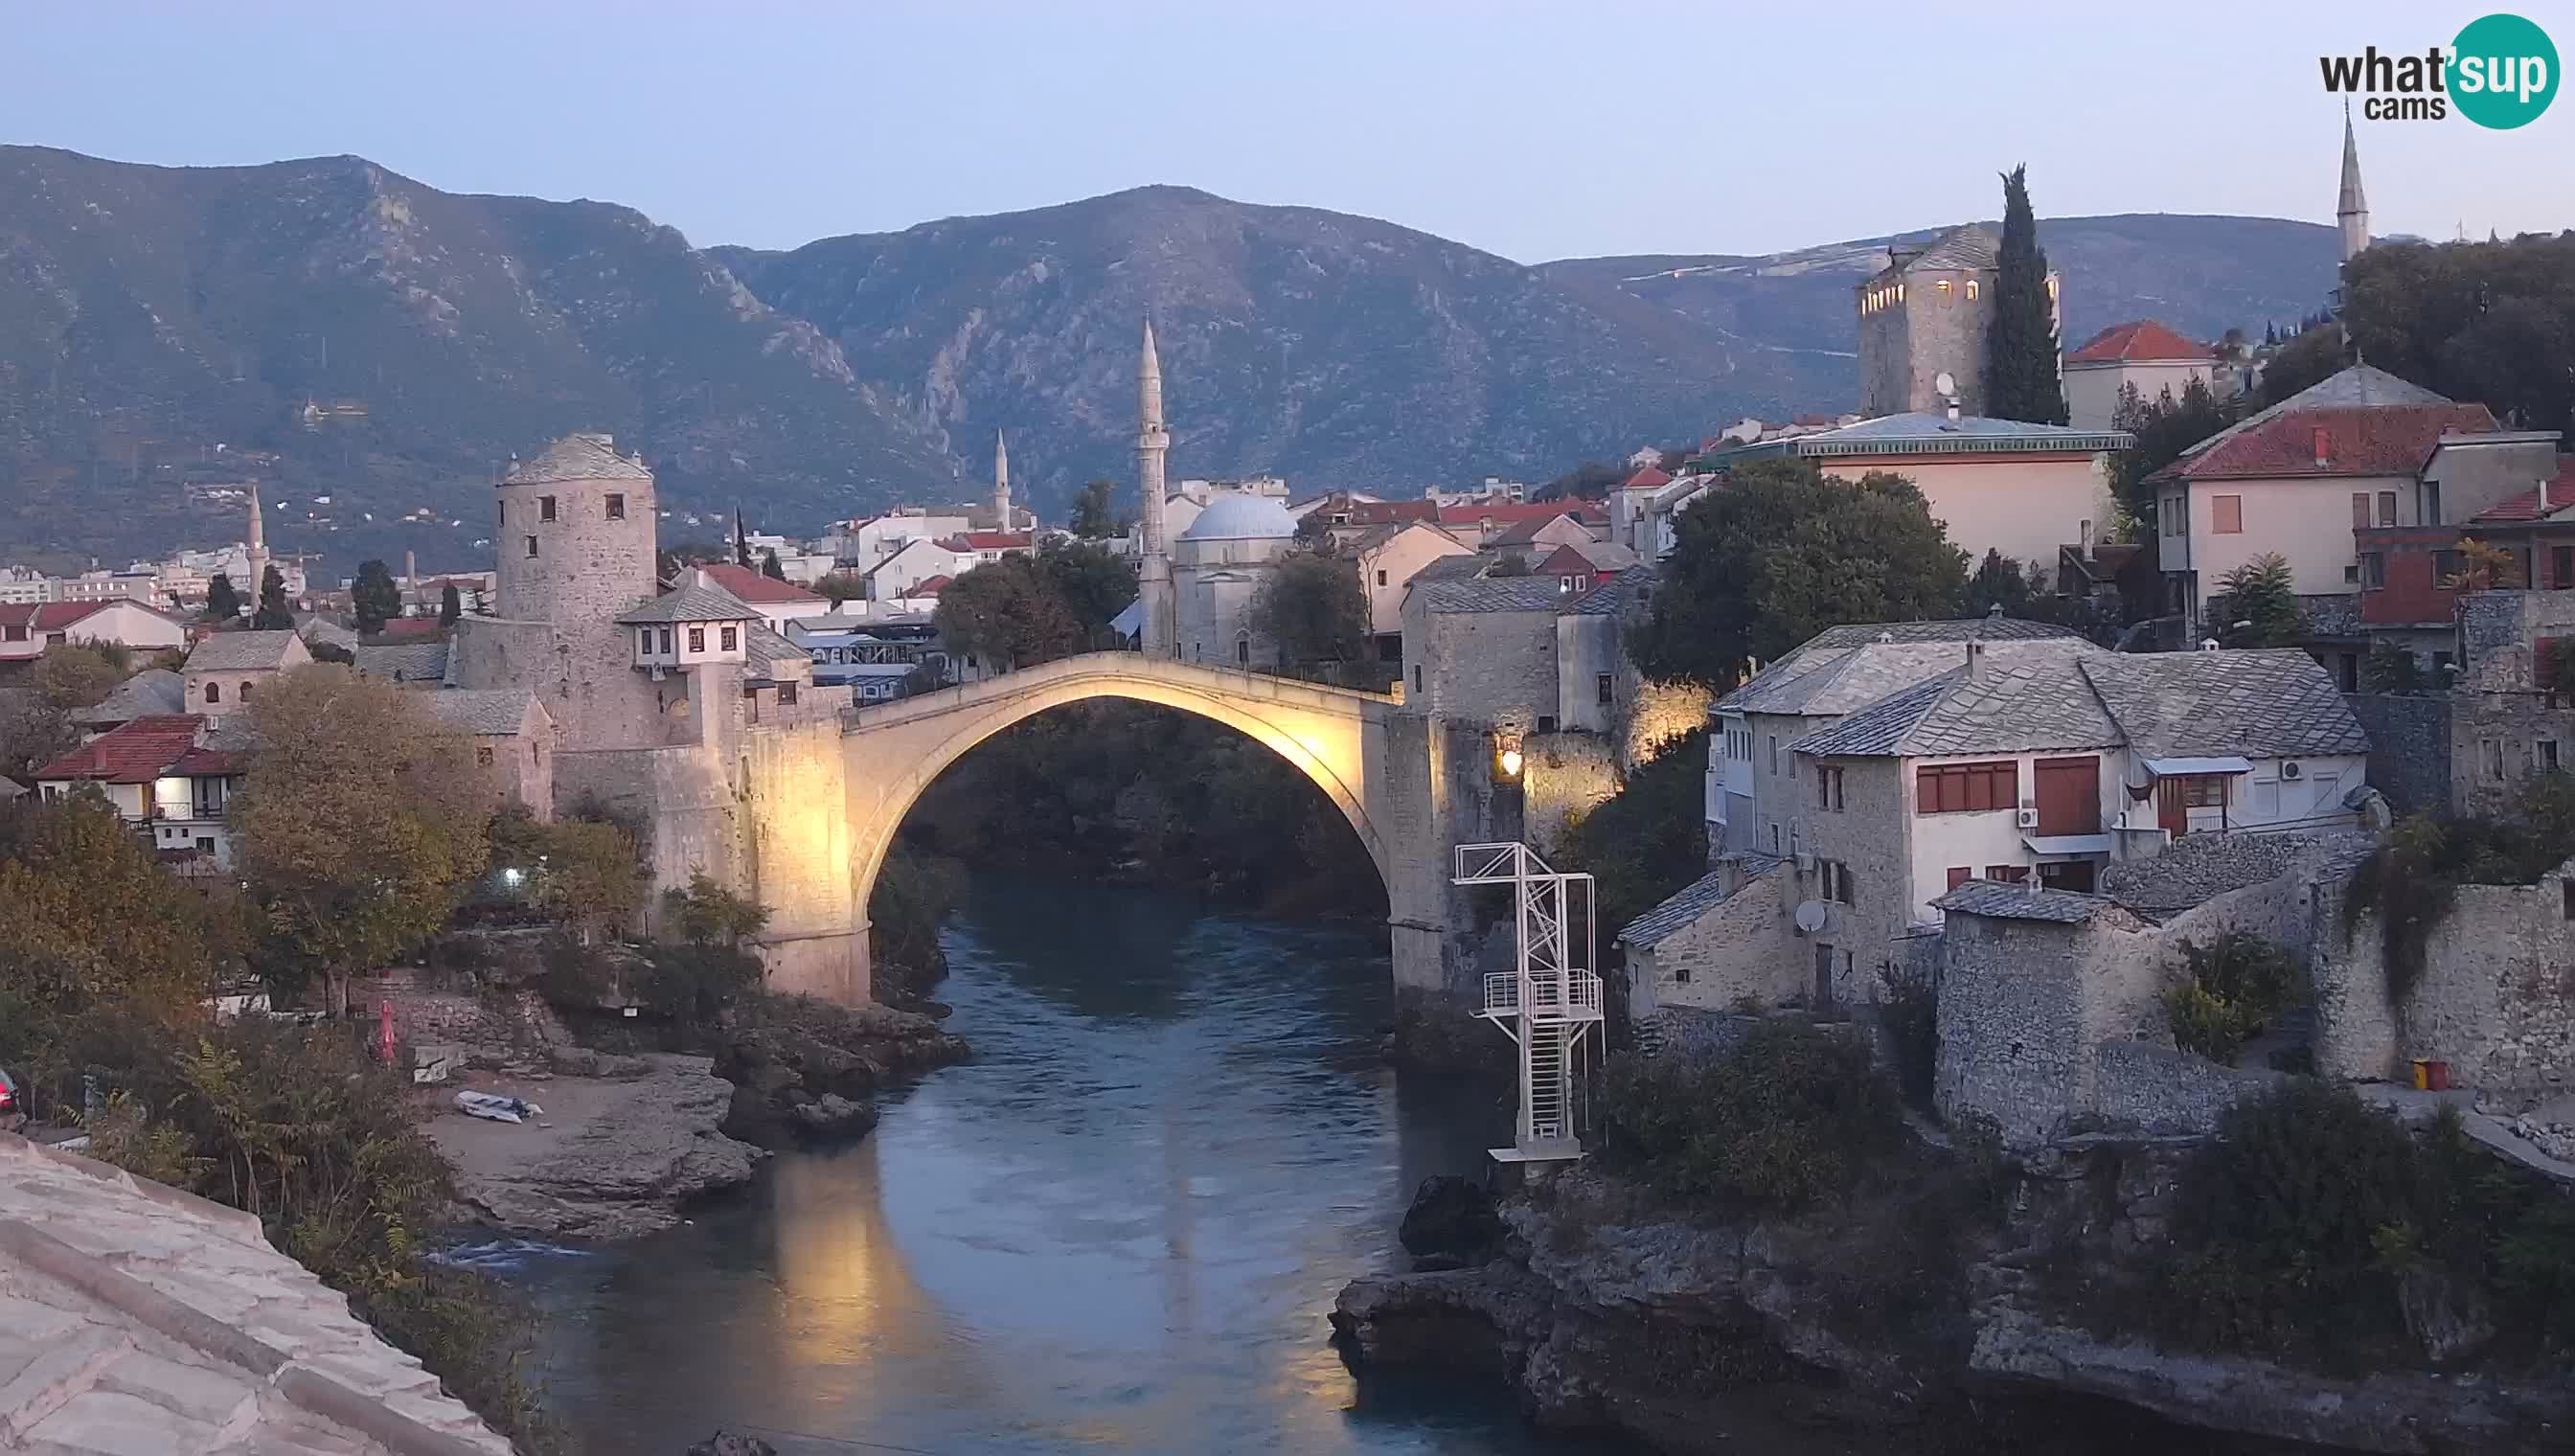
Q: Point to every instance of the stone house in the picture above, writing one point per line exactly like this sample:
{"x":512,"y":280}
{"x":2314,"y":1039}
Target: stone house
{"x":2505,"y":488}
{"x":1926,"y":315}
{"x":513,"y":740}
{"x":1389,"y":558}
{"x":225,"y":669}
{"x":2290,"y":479}
{"x":150,"y":693}
{"x":1997,"y":485}
{"x":169,"y":776}
{"x":2504,"y":717}
{"x":2141,"y":353}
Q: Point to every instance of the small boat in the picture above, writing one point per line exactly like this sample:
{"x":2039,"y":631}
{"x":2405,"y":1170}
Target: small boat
{"x":496,"y":1107}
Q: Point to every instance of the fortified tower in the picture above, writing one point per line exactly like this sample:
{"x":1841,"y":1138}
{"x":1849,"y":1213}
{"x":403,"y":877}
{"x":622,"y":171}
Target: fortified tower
{"x":1153,"y":443}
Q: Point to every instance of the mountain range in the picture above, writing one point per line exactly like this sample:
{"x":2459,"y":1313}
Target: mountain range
{"x":373,"y":349}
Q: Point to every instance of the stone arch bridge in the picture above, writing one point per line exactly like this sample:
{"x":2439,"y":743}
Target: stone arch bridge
{"x":824,"y":811}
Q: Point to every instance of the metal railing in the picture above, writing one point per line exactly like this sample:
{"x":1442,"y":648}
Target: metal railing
{"x":1572,"y":997}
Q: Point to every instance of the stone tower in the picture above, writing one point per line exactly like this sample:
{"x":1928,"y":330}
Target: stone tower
{"x":258,"y":552}
{"x":1001,"y":482}
{"x":1153,"y":443}
{"x":2352,"y":211}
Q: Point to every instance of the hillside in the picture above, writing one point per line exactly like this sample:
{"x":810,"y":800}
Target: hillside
{"x":166,"y":327}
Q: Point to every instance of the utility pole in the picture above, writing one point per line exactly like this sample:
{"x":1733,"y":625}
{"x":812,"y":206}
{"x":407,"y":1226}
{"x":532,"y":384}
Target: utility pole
{"x":1550,"y":1004}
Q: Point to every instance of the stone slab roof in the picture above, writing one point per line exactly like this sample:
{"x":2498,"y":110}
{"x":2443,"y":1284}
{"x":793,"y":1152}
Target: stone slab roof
{"x":1791,"y":682}
{"x":2199,"y":867}
{"x":1970,"y":247}
{"x":484,"y":712}
{"x":2257,"y":702}
{"x":2022,"y":902}
{"x":421,"y":662}
{"x":1490,"y":594}
{"x":137,"y":1318}
{"x":236,"y":651}
{"x":1693,"y":900}
{"x":1629,"y":589}
{"x":2031,"y":700}
{"x":152,"y":692}
{"x":582,"y":455}
{"x":690,"y":603}
{"x":765,"y":650}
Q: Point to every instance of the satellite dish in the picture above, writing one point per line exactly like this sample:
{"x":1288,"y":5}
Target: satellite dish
{"x":1810,"y":916}
{"x":1945,"y":383}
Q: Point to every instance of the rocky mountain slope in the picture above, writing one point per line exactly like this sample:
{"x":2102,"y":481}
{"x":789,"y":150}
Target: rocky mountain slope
{"x":151,"y":314}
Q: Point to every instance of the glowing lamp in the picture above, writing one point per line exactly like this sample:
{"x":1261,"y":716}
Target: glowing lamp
{"x":1512,"y":763}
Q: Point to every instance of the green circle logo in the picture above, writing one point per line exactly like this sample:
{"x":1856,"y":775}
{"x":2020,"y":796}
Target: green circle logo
{"x":2503,"y":72}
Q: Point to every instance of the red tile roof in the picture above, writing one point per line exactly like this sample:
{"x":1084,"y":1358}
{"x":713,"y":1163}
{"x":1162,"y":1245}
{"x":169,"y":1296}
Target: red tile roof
{"x":2524,"y":505}
{"x":1650,"y":478}
{"x":48,"y":616}
{"x":137,"y":753}
{"x":2390,"y":440}
{"x":1514,"y":512}
{"x":754,"y":587}
{"x":929,"y":587}
{"x":1565,"y":561}
{"x":2136,"y":342}
{"x":402,"y":628}
{"x":1387,"y":512}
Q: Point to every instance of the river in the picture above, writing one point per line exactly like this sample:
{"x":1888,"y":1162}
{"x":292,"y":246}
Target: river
{"x":1118,"y":1229}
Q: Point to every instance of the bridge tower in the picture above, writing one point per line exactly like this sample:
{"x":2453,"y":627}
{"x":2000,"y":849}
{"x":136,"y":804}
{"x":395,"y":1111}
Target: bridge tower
{"x":1550,"y":1004}
{"x":1153,"y":443}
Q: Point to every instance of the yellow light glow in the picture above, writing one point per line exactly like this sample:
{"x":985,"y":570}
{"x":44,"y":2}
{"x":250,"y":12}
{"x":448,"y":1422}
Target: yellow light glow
{"x":1512,"y":761}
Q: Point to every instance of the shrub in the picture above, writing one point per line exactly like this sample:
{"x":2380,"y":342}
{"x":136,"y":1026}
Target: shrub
{"x":1910,"y":1013}
{"x":2413,"y":876}
{"x":2236,"y":986}
{"x":1787,"y":1120}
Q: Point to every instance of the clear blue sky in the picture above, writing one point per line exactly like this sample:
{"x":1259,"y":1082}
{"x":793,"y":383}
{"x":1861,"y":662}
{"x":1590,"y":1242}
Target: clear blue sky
{"x":1533,"y":131}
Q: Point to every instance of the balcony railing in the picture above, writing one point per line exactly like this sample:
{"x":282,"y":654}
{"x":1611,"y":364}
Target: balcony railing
{"x":1570,"y":996}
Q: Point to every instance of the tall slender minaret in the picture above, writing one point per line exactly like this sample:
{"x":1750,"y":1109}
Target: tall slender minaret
{"x":1152,"y":441}
{"x":1001,"y":482}
{"x":258,"y":552}
{"x":2352,"y":212}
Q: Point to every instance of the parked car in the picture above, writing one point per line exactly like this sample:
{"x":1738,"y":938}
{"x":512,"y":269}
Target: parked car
{"x":13,"y":1107}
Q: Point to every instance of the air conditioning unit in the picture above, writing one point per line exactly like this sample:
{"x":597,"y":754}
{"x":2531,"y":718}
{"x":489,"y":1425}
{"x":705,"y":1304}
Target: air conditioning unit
{"x":2289,"y":768}
{"x":1806,"y":863}
{"x":2029,"y":819}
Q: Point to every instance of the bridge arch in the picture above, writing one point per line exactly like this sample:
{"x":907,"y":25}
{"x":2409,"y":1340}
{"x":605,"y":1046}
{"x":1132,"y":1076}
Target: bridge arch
{"x":1333,"y":735}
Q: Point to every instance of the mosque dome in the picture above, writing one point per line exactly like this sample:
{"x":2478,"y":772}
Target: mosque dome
{"x":1241,"y":518}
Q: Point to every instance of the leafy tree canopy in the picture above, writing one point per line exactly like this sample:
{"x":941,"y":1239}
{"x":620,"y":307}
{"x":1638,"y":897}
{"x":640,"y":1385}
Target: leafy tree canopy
{"x":1094,"y":512}
{"x":1779,"y":552}
{"x":1313,"y":607}
{"x":375,"y":595}
{"x":2492,"y":322}
{"x":2164,"y":427}
{"x":1008,"y":614}
{"x":1093,"y":582}
{"x":2257,"y":605}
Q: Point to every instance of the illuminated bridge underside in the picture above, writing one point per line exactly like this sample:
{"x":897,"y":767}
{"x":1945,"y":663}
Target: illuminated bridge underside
{"x":1370,"y":760}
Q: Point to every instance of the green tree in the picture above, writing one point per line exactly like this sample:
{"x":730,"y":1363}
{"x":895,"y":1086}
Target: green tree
{"x":1007,"y":613}
{"x":1592,"y":480}
{"x":360,"y":822}
{"x":1094,"y":512}
{"x":274,"y":614}
{"x":1093,"y":581}
{"x":1783,"y":552}
{"x":768,"y":566}
{"x":2259,"y":606}
{"x":223,"y":603}
{"x":2164,"y":428}
{"x":1313,"y":606}
{"x":451,"y":606}
{"x":2315,"y":355}
{"x":2492,"y":322}
{"x":2001,"y":582}
{"x":2021,"y":380}
{"x":843,"y":587}
{"x":375,"y":595}
{"x":741,"y":541}
{"x":74,"y":674}
{"x":587,"y":871}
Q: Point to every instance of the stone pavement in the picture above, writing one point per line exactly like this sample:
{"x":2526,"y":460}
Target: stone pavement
{"x":137,"y":1320}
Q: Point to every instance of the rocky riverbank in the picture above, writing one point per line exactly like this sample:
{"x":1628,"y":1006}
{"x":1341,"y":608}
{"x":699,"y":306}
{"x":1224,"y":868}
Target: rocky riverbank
{"x":802,"y":1068}
{"x":1604,"y":1309}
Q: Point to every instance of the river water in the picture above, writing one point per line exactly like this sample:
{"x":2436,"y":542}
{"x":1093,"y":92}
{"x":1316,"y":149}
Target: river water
{"x":1119,"y":1229}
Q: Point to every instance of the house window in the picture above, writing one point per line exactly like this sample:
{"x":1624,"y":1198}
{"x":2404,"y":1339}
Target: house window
{"x":2360,"y":510}
{"x":2445,"y":564}
{"x":1775,"y":839}
{"x":2006,"y":873}
{"x":205,"y":843}
{"x":544,"y":508}
{"x":1417,"y":676}
{"x":666,"y":642}
{"x":616,"y":506}
{"x":214,"y":692}
{"x":532,"y":545}
{"x":2227,"y":515}
{"x":787,"y":694}
{"x":1605,"y":688}
{"x":725,"y":636}
{"x":504,"y":516}
{"x":1833,"y":880}
{"x":1959,"y":874}
{"x":2546,"y":752}
{"x":644,"y":640}
{"x":2561,"y":566}
{"x":2431,"y":498}
{"x":1971,"y":289}
{"x":1829,"y":787}
{"x":245,"y":693}
{"x":2387,"y":508}
{"x":2492,"y":750}
{"x":1966,"y":787}
{"x":2203,"y":790}
{"x":697,"y":639}
{"x":1547,"y":722}
{"x":1774,"y":752}
{"x":1381,"y":575}
{"x":2373,"y":570}
{"x":483,"y":757}
{"x":1944,"y":285}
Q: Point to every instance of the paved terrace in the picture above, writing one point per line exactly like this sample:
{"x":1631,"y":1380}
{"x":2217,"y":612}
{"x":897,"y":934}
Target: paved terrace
{"x":137,"y":1320}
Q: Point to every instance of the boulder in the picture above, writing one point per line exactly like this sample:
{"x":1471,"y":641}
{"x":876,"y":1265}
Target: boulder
{"x":1451,"y":1223}
{"x":723,"y":1443}
{"x":833,"y":1116}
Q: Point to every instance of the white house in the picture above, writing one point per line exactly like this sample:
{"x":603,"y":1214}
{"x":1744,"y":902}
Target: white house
{"x":169,"y":776}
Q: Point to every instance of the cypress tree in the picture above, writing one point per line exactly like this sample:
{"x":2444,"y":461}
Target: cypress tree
{"x":2021,"y":380}
{"x":449,"y":606}
{"x":223,"y":603}
{"x":769,"y":568}
{"x":375,"y":595}
{"x":273,"y":615}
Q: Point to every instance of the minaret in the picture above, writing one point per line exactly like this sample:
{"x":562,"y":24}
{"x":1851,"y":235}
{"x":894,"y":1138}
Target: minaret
{"x":1001,"y":482}
{"x":1152,"y":443}
{"x":258,"y":551}
{"x":2352,"y":212}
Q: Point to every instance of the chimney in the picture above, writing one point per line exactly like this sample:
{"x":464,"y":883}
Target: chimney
{"x":2084,"y":534}
{"x":1953,"y":409}
{"x":2324,"y":447}
{"x":1976,"y":656}
{"x":2541,"y":485}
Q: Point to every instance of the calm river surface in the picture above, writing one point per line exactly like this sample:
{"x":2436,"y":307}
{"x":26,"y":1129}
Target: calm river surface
{"x":1119,"y":1229}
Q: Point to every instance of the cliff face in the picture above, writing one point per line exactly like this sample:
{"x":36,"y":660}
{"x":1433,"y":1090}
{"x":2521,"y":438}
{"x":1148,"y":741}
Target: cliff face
{"x":1602,"y":1312}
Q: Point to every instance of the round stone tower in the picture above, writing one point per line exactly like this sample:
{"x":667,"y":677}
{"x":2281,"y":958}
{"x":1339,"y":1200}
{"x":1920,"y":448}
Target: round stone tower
{"x":576,"y":535}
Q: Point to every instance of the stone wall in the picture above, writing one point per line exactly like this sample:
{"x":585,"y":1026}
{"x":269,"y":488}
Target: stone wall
{"x":2496,"y":997}
{"x":1490,"y":668}
{"x":2409,"y":747}
{"x":2022,"y":1006}
{"x":802,"y":860}
{"x":2141,"y":1088}
{"x":1563,"y":776}
{"x":429,"y":1011}
{"x":2498,"y":740}
{"x":1740,"y":951}
{"x":1870,"y":834}
{"x":1658,"y":713}
{"x":675,"y":799}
